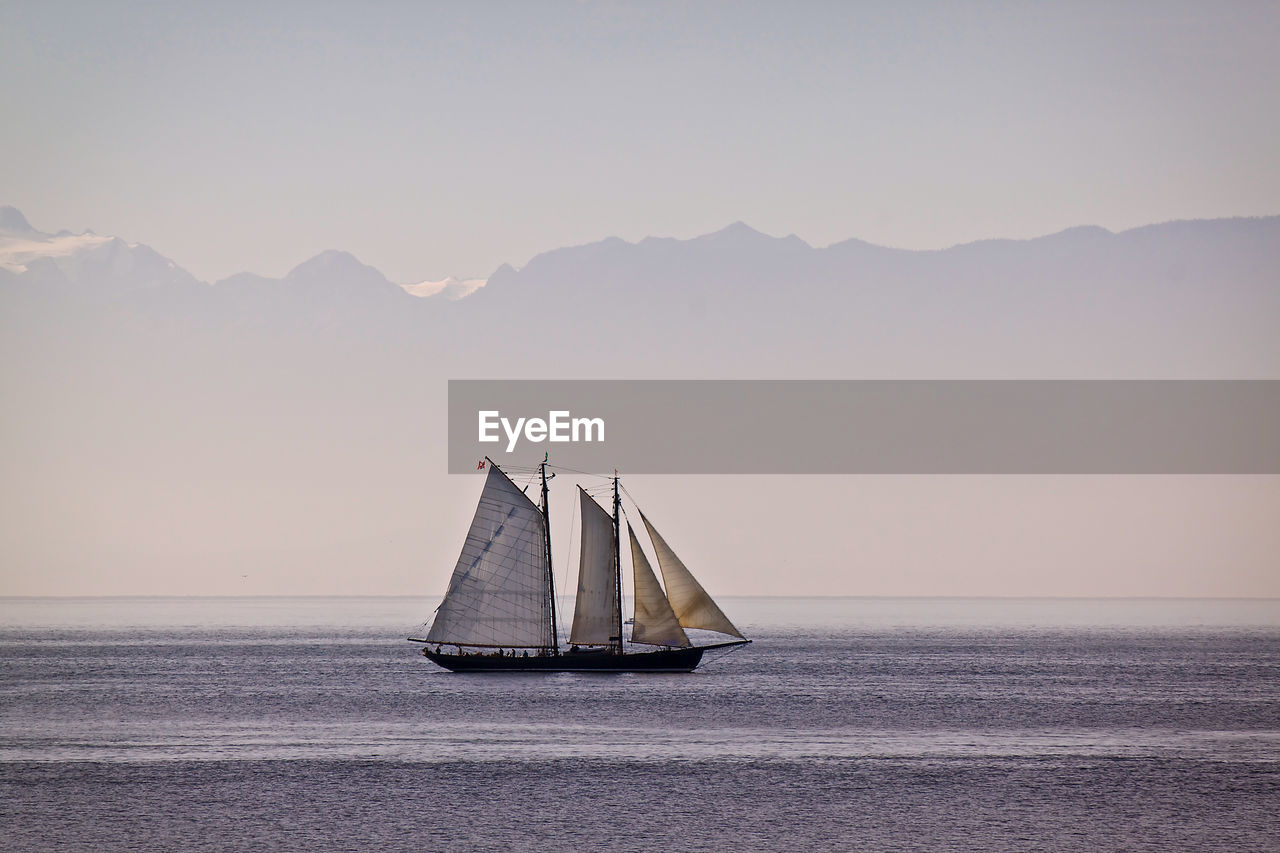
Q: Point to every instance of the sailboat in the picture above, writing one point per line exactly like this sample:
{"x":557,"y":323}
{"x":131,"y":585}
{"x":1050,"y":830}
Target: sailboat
{"x":499,"y":613}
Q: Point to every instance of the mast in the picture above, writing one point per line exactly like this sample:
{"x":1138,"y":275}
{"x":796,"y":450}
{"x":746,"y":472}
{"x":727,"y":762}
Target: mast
{"x":551,"y":575}
{"x":617,"y":564}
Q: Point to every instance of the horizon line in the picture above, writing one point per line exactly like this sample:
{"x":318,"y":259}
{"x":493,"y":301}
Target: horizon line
{"x":120,"y":596}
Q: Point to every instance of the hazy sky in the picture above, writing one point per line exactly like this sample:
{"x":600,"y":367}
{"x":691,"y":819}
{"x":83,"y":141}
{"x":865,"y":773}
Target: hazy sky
{"x":445,"y":139}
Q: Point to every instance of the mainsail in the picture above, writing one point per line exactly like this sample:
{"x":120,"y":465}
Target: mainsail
{"x":499,"y":593}
{"x":595,"y":613}
{"x":655,"y":621}
{"x":690,"y":602}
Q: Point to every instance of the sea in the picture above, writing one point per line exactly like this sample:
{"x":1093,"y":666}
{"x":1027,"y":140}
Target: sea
{"x":310,"y":724}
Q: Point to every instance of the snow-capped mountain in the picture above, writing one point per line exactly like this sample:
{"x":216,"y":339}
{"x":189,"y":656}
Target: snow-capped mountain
{"x":450,"y":288}
{"x":102,"y":265}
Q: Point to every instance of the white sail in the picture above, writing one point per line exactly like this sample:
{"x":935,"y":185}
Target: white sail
{"x":692,"y":606}
{"x":595,"y":613}
{"x":655,"y":621}
{"x":499,"y":593}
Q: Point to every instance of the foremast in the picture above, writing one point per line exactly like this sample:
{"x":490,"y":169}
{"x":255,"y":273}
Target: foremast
{"x":554,"y":647}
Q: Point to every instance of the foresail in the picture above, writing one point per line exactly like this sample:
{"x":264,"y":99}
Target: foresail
{"x":655,"y":621}
{"x":692,"y":606}
{"x":595,"y":611}
{"x":499,"y":593}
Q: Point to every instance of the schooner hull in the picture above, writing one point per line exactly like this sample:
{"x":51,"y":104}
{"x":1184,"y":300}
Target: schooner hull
{"x":663,"y":660}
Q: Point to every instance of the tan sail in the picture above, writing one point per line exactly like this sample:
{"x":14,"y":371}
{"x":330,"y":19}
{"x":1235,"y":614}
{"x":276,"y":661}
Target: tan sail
{"x":690,"y":602}
{"x":595,"y":612}
{"x":655,"y":621}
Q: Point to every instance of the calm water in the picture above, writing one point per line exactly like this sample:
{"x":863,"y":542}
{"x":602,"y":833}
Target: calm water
{"x":869,"y":724}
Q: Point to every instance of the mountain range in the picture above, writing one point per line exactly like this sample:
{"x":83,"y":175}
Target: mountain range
{"x":1193,"y":298}
{"x":258,"y":435}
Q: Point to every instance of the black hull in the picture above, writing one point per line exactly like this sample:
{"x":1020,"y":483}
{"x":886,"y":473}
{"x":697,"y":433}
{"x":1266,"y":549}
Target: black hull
{"x":663,"y":660}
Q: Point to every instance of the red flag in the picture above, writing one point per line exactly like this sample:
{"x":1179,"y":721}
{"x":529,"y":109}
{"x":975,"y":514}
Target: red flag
{"x":480,"y":467}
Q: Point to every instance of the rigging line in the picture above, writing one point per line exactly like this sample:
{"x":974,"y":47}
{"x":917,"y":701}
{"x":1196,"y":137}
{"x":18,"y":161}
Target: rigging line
{"x":514,"y":472}
{"x":724,"y":653}
{"x":584,"y":473}
{"x":639,"y":511}
{"x":633,"y":500}
{"x":633,"y":503}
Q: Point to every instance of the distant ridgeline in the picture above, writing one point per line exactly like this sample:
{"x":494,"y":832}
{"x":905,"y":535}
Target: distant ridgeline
{"x":1195,"y":299}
